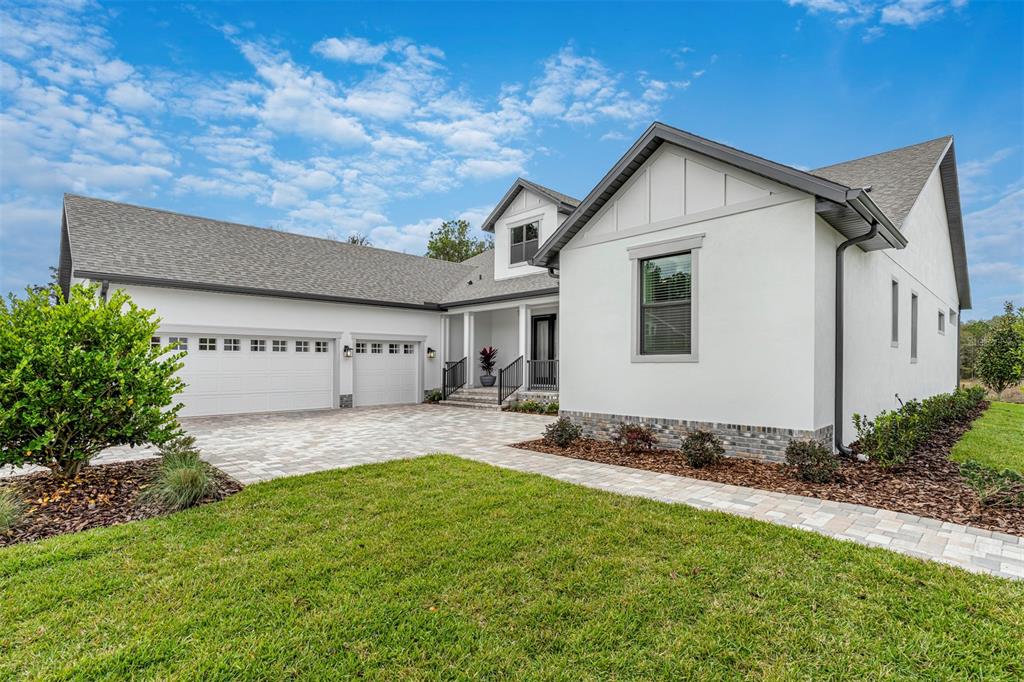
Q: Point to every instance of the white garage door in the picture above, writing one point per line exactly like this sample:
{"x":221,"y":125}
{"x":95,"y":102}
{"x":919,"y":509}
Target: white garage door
{"x":385,"y":373}
{"x":237,"y":374}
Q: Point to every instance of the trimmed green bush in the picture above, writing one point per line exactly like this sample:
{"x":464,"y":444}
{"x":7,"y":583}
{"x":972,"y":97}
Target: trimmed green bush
{"x":702,"y":449}
{"x":183,"y":479}
{"x":79,"y":376}
{"x":563,"y":432}
{"x":634,"y":437}
{"x":434,"y":396}
{"x":994,"y":487}
{"x":813,"y":461}
{"x":11,"y":509}
{"x":552,"y":408}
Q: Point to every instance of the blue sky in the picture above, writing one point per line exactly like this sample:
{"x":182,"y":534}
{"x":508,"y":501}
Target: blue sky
{"x":385,"y":119}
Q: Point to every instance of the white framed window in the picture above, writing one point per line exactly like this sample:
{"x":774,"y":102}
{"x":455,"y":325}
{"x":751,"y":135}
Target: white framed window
{"x":376,"y":348}
{"x":279,"y":346}
{"x":179,"y":342}
{"x":913,"y":327}
{"x":320,"y":346}
{"x":302,"y":346}
{"x":524,"y":240}
{"x":409,"y":348}
{"x":232,"y":345}
{"x":154,"y":342}
{"x":952,"y":318}
{"x":393,"y":348}
{"x":360,"y":347}
{"x":207,"y":343}
{"x":257,"y":345}
{"x":665,"y":279}
{"x":895,"y":324}
{"x":942,"y":322}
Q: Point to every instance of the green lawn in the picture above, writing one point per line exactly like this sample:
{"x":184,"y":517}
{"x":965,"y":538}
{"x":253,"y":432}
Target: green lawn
{"x":442,"y":568}
{"x":996,"y":439}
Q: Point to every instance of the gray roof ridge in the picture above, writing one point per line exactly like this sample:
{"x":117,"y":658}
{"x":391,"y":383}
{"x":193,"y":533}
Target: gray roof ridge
{"x":254,"y":227}
{"x":559,"y":195}
{"x":882,"y":153}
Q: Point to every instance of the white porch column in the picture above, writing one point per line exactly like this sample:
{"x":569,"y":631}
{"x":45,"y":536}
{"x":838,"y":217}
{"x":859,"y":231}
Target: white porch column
{"x":468,"y":321}
{"x":523,"y":327}
{"x":446,"y":333}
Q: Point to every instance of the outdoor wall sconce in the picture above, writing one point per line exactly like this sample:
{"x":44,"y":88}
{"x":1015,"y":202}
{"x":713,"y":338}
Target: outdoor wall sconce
{"x":347,"y":351}
{"x":431,"y":353}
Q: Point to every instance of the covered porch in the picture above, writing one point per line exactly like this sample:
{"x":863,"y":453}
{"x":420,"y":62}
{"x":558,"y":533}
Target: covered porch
{"x":525,"y":334}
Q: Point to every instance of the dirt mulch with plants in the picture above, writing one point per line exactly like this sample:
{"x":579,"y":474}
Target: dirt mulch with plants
{"x":929,"y":485}
{"x":101,"y":495}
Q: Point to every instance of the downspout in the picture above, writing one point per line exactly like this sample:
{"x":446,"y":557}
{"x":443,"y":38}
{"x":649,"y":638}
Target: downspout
{"x":838,"y":420}
{"x":104,"y":286}
{"x":553,"y":272}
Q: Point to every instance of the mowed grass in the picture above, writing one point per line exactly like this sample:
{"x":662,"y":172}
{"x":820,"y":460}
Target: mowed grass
{"x":996,"y":438}
{"x":442,"y":568}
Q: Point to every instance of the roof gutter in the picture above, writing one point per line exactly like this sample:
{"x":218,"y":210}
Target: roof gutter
{"x":838,"y":418}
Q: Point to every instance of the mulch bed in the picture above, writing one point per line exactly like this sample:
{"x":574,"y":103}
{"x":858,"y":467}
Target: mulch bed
{"x":929,"y":485}
{"x":101,"y":495}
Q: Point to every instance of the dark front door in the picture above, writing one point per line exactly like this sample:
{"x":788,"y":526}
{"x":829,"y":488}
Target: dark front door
{"x":543,"y":362}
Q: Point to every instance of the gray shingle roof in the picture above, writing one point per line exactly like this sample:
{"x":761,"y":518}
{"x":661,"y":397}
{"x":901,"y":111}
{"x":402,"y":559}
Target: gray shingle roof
{"x":896,"y":177}
{"x":480,"y":283}
{"x":134,"y":243}
{"x":570,"y":202}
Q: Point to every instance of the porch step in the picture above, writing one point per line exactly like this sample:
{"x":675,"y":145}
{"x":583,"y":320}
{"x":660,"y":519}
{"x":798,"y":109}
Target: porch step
{"x":473,"y":405}
{"x":479,"y":397}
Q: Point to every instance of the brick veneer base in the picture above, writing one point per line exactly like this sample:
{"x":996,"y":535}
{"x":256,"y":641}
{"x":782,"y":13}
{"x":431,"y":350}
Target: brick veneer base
{"x":760,"y":442}
{"x":345,"y":400}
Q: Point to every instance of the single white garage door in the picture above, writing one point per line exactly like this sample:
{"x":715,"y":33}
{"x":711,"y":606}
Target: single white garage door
{"x":237,"y":374}
{"x":385,"y":373}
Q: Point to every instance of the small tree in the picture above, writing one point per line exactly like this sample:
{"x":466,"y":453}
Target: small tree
{"x":1000,"y":362}
{"x":79,"y":376}
{"x":358,"y":239}
{"x":452,"y":242}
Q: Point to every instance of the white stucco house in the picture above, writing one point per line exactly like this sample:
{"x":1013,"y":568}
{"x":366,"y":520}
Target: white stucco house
{"x":695,"y":285}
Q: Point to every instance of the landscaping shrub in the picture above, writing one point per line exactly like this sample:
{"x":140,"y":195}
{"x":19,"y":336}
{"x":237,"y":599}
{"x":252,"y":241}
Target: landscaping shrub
{"x":634,"y":437}
{"x":11,"y":509}
{"x":995,"y":488}
{"x":702,"y":448}
{"x":183,"y":479}
{"x":79,"y":376}
{"x":563,"y":432}
{"x":813,"y":460}
{"x":893,"y":436}
{"x":434,"y":396}
{"x":552,"y":408}
{"x":531,"y":406}
{"x":1000,"y":361}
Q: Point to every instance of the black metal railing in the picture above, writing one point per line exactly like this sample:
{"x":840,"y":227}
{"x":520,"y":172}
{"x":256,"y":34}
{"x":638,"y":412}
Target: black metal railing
{"x":510,"y":379}
{"x":453,"y":377}
{"x":543,"y":375}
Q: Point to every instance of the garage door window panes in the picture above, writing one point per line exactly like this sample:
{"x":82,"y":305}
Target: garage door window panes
{"x":257,"y":345}
{"x":376,"y":348}
{"x":179,"y":342}
{"x":279,"y":346}
{"x":154,"y":341}
{"x":360,"y":347}
{"x":232,"y":344}
{"x":409,"y":349}
{"x":206,"y":343}
{"x":321,"y":346}
{"x":393,"y":348}
{"x":302,"y":346}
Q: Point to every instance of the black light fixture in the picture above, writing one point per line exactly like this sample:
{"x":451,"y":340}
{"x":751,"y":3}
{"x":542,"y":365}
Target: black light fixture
{"x":347,"y":351}
{"x":431,"y":353}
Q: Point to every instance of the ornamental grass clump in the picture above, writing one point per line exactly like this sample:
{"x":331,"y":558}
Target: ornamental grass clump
{"x":702,"y":449}
{"x":812,"y":460}
{"x":11,"y":509}
{"x":183,"y":479}
{"x":634,"y":438}
{"x":562,"y":432}
{"x":994,"y":487}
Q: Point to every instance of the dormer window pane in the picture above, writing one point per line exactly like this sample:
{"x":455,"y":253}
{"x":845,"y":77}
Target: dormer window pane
{"x":524,"y":242}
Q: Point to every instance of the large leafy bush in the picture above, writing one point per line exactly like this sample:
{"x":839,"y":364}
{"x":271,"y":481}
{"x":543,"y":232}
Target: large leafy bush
{"x":80,"y":375}
{"x":702,"y":449}
{"x":893,"y":436}
{"x":813,"y":460}
{"x":1000,"y":362}
{"x":562,"y":432}
{"x":634,"y":438}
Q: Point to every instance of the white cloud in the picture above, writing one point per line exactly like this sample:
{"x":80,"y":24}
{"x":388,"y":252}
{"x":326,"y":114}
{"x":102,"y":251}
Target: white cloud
{"x":972,"y":173}
{"x":912,"y":13}
{"x":356,"y":50}
{"x":132,"y":97}
{"x":909,"y":13}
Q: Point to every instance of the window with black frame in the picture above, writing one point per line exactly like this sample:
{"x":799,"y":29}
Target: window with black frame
{"x":666,"y":303}
{"x":524,"y":239}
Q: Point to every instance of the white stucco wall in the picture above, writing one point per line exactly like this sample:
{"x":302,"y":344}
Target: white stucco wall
{"x":875,"y":371}
{"x":755,"y":323}
{"x":525,"y":208}
{"x":184,"y":310}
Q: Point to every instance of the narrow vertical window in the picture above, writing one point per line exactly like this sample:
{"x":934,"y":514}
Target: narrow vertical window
{"x":942,"y":322}
{"x":913,"y":327}
{"x":895,"y":313}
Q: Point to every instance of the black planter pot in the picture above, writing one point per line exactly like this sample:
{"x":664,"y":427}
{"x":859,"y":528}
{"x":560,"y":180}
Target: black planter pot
{"x":487,"y":379}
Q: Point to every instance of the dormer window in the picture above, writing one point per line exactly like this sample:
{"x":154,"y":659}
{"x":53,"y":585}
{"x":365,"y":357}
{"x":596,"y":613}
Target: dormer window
{"x":524,"y":239}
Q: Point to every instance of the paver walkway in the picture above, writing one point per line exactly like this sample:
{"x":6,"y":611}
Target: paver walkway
{"x":260,"y":447}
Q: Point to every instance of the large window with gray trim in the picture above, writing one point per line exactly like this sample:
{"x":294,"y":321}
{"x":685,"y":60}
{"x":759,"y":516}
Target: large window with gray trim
{"x":524,"y":240}
{"x":666,"y":305}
